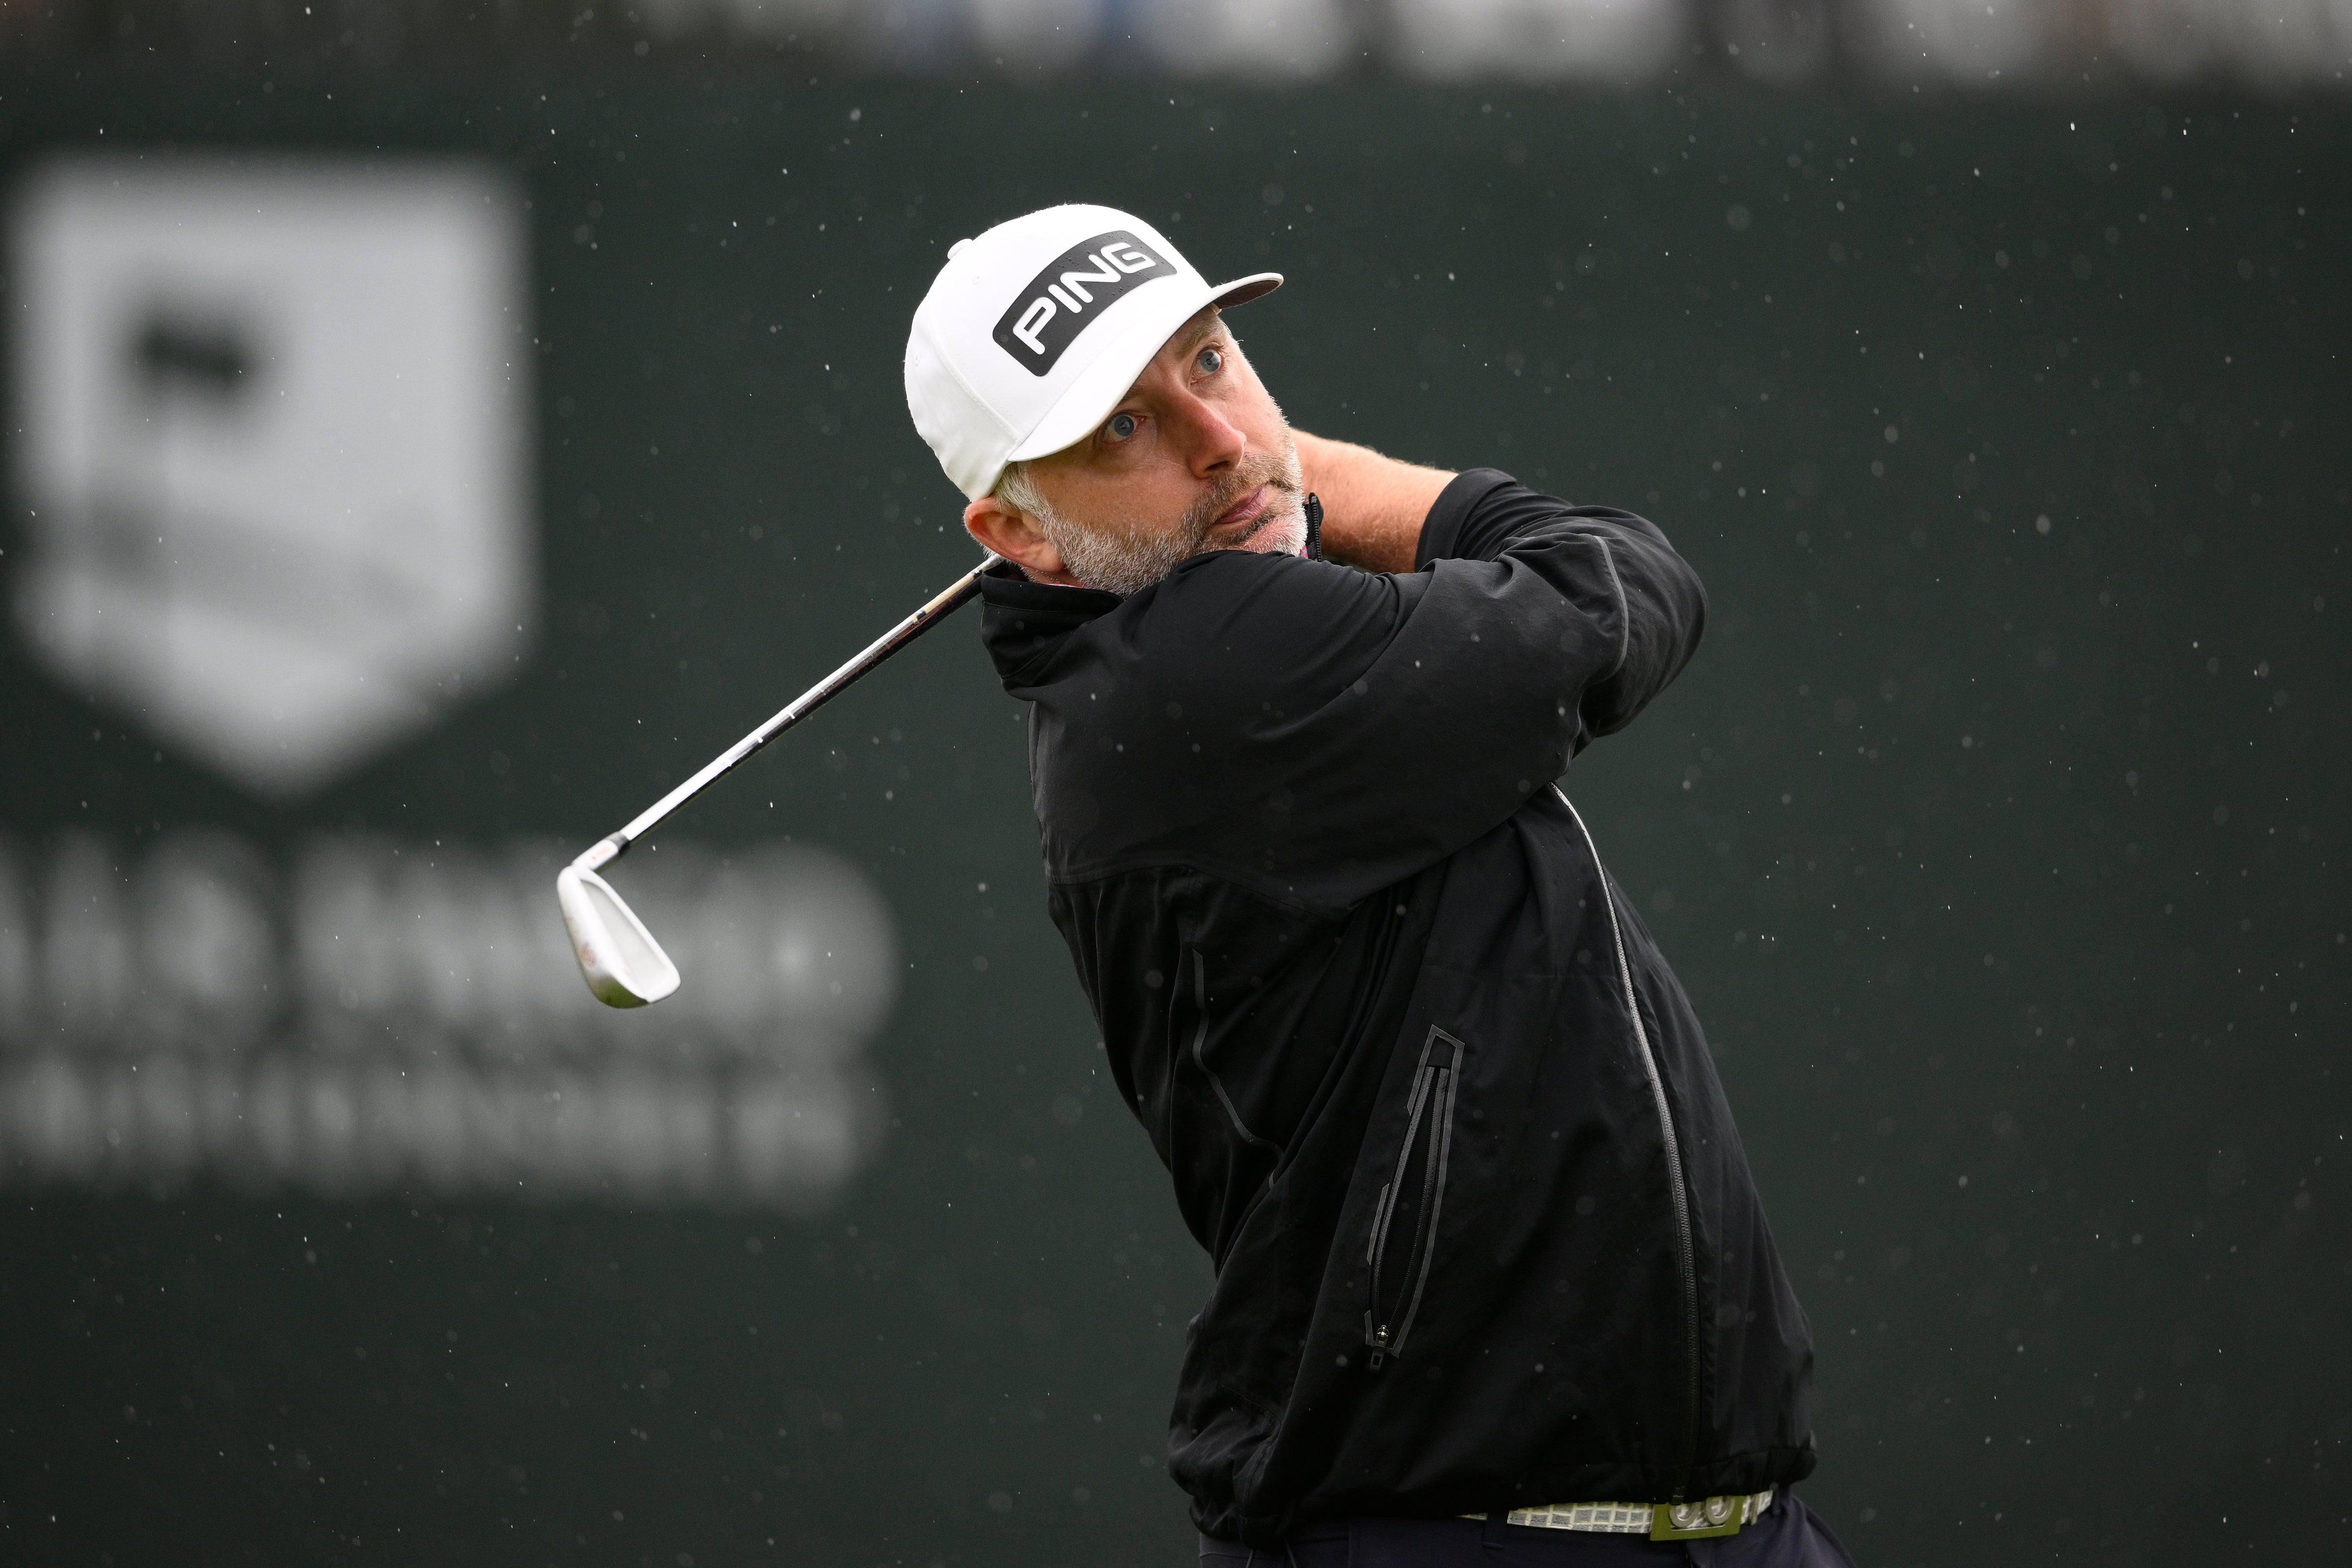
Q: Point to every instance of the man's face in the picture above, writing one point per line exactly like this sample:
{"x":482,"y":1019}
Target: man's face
{"x":1195,"y":458}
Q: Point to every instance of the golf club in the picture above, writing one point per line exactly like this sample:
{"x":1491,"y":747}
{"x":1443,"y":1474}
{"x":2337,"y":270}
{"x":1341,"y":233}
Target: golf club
{"x":623,"y":964}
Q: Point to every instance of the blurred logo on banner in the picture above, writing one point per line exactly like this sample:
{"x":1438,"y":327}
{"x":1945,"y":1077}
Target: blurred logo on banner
{"x":272,"y":419}
{"x":272,"y":444}
{"x":366,"y":1015}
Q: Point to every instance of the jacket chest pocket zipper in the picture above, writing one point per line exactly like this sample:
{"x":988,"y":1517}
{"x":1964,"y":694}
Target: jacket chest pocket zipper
{"x":1404,"y":1220}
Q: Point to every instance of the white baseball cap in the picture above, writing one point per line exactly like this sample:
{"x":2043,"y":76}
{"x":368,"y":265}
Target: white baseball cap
{"x":1032,"y":332}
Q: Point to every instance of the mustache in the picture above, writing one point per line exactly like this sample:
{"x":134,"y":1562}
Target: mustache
{"x":1266,"y":468}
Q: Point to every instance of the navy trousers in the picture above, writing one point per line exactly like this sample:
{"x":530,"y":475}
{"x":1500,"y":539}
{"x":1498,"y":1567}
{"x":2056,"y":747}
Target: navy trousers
{"x":1789,"y":1535}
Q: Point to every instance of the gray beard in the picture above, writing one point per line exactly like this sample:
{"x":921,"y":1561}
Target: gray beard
{"x":1122,"y":559}
{"x":1115,"y":563}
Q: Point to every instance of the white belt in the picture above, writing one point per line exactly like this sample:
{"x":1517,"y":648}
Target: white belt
{"x":1659,"y":1520}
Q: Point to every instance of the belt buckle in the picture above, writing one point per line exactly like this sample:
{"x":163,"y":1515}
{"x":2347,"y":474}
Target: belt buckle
{"x":1700,"y":1520}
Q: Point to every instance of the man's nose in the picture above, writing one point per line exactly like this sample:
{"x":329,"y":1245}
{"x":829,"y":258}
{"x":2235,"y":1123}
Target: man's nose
{"x":1212,"y":443}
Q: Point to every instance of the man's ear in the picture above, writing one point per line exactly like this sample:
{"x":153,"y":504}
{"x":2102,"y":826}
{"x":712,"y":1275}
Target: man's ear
{"x":1010,"y":533}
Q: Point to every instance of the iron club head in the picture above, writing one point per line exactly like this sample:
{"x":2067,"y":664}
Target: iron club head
{"x":624,"y":965}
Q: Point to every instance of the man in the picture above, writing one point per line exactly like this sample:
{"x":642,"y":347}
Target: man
{"x":1493,"y":1283}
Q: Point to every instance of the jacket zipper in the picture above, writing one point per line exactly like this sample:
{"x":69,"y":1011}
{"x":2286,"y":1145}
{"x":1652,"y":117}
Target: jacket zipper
{"x":1685,"y":1251}
{"x":1428,"y":1107}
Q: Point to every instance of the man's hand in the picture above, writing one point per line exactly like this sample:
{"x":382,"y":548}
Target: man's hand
{"x":1372,"y":506}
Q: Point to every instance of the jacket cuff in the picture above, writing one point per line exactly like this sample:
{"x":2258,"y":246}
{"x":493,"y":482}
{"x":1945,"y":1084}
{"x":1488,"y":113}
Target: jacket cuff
{"x":1441,"y":530}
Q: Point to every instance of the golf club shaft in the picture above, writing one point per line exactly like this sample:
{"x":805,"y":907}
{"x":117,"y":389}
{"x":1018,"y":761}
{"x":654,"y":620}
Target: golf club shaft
{"x":607,"y":850}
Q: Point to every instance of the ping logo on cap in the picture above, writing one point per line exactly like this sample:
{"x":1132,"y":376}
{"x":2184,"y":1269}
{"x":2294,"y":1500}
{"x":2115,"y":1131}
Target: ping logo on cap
{"x":1076,"y":288}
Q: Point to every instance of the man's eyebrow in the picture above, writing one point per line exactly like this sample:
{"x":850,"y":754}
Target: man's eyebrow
{"x":1184,"y":340}
{"x":1201,"y":327}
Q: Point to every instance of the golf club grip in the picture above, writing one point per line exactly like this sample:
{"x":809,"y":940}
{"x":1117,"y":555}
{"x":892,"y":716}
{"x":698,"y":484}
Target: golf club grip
{"x":941,"y":606}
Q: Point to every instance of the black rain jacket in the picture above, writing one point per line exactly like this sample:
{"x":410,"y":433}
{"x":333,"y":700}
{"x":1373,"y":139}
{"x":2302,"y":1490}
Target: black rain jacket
{"x":1483,"y":1234}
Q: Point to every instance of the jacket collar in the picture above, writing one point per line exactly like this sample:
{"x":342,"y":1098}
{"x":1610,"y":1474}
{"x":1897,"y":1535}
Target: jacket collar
{"x":1024,"y":622}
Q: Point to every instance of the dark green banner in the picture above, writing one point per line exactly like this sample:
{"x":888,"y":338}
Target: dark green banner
{"x":409,"y":484}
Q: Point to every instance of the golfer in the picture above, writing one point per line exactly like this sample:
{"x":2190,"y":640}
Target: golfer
{"x":1493,"y":1282}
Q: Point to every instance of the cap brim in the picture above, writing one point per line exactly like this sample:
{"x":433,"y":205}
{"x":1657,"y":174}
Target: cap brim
{"x":1105,"y":380}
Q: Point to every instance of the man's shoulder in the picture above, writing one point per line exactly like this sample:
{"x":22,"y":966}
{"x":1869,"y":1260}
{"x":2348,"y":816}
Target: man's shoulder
{"x":1233,"y":626}
{"x":1230,"y":570}
{"x":1261,"y":593}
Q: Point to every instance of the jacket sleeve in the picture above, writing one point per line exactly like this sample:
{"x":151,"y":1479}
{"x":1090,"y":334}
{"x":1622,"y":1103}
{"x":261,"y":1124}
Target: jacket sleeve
{"x":1346,"y":729}
{"x":1594,"y":555}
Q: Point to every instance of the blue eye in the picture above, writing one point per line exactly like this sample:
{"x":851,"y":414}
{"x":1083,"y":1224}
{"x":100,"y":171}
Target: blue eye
{"x":1120,"y":427}
{"x":1210,"y":362}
